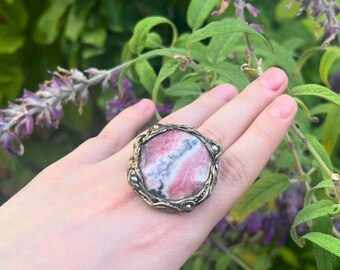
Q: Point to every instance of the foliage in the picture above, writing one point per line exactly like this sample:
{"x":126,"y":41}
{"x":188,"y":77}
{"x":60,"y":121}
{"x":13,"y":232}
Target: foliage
{"x":172,"y":52}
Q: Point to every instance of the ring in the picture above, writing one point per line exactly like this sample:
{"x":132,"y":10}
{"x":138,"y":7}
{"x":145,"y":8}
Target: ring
{"x":173,"y":167}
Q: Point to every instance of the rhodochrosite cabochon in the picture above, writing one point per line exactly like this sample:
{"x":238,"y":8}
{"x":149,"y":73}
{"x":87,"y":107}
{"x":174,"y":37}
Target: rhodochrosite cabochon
{"x":173,"y":167}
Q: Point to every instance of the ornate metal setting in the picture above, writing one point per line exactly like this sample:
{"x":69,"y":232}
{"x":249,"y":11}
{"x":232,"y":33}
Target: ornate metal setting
{"x":135,"y":177}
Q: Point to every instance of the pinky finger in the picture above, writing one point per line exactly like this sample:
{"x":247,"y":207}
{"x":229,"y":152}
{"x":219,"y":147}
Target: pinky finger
{"x":116,"y":134}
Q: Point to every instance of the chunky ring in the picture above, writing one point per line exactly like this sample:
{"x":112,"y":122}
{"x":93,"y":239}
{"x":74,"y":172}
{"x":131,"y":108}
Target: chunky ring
{"x":173,"y":167}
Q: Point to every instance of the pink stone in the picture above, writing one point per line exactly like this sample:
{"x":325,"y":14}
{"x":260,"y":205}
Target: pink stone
{"x":174,"y":165}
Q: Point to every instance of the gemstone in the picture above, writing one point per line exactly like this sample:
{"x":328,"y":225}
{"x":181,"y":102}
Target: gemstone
{"x":174,"y":165}
{"x":134,"y":179}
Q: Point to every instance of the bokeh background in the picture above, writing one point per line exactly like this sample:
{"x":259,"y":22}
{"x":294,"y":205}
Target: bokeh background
{"x":38,"y":36}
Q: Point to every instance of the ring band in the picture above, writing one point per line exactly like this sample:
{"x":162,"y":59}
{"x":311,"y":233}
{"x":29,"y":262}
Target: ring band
{"x":173,"y":167}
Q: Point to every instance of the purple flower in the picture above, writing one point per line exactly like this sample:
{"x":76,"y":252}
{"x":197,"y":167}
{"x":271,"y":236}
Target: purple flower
{"x":165,"y":109}
{"x":45,"y":107}
{"x":254,"y":222}
{"x":274,"y":225}
{"x":252,"y":10}
{"x":258,"y":27}
{"x":120,"y":100}
{"x":318,"y":8}
{"x":11,"y":143}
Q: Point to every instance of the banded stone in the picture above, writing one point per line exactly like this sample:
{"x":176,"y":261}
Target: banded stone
{"x":174,"y":165}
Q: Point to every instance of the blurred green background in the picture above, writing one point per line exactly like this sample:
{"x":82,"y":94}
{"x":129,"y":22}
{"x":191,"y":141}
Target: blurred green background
{"x":37,"y":36}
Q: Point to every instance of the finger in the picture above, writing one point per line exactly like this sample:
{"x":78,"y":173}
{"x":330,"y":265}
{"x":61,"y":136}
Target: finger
{"x":199,"y":110}
{"x":228,"y":124}
{"x":195,"y":113}
{"x":116,"y":134}
{"x":244,"y":160}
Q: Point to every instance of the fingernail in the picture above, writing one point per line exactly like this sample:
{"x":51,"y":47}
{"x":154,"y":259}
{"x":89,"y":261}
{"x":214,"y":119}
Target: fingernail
{"x":144,"y":104}
{"x":225,"y":91}
{"x":282,"y":107}
{"x":273,"y":79}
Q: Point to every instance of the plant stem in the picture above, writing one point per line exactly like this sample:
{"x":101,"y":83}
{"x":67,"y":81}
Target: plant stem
{"x":233,"y":256}
{"x":246,"y":37}
{"x":186,"y":62}
{"x":333,"y":176}
{"x":292,"y":146}
{"x":304,"y":140}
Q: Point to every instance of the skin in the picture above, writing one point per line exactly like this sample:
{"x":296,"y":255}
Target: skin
{"x":80,"y":212}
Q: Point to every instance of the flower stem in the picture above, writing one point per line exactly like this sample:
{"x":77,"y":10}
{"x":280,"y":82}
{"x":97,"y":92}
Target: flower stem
{"x":246,"y":38}
{"x":292,"y":146}
{"x":304,"y":140}
{"x":333,"y":176}
{"x":232,"y":255}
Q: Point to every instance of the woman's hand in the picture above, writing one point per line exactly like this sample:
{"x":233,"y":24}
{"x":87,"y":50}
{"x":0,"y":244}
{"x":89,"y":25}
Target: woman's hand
{"x":80,"y":212}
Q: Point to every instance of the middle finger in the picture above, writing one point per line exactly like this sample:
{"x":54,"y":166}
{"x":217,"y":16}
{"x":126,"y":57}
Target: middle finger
{"x":231,"y":121}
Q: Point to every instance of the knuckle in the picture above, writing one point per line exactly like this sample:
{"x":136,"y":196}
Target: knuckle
{"x":213,"y":132}
{"x":263,"y":133}
{"x":107,"y":136}
{"x":232,"y":171}
{"x":202,"y":106}
{"x":250,"y":101}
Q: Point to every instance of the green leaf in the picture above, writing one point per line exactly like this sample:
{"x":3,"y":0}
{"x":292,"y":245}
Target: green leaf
{"x":322,"y":185}
{"x":198,"y":11}
{"x":306,"y":111}
{"x":76,"y":20}
{"x":304,"y":58}
{"x":199,"y":53}
{"x":49,"y":24}
{"x":321,"y":152}
{"x":310,"y":212}
{"x":147,"y":75}
{"x":281,"y":12}
{"x":153,"y":41}
{"x":313,"y":27}
{"x":91,"y":52}
{"x":220,"y":47}
{"x":168,"y":52}
{"x":11,"y":79}
{"x":331,"y":55}
{"x":325,"y":241}
{"x":324,"y":259}
{"x":331,"y":128}
{"x":126,"y":53}
{"x":262,"y":191}
{"x":281,"y":57}
{"x":317,"y":91}
{"x":321,"y":108}
{"x":143,"y":27}
{"x":167,"y":70}
{"x":223,"y":262}
{"x":263,"y":262}
{"x":15,"y":13}
{"x":10,"y":39}
{"x":183,"y":101}
{"x":95,"y":38}
{"x":181,"y":89}
{"x":230,"y":73}
{"x":182,"y":40}
{"x":113,"y":11}
{"x":225,"y":27}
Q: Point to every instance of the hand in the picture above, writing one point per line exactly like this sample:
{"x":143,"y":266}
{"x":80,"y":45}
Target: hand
{"x":80,"y":213}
